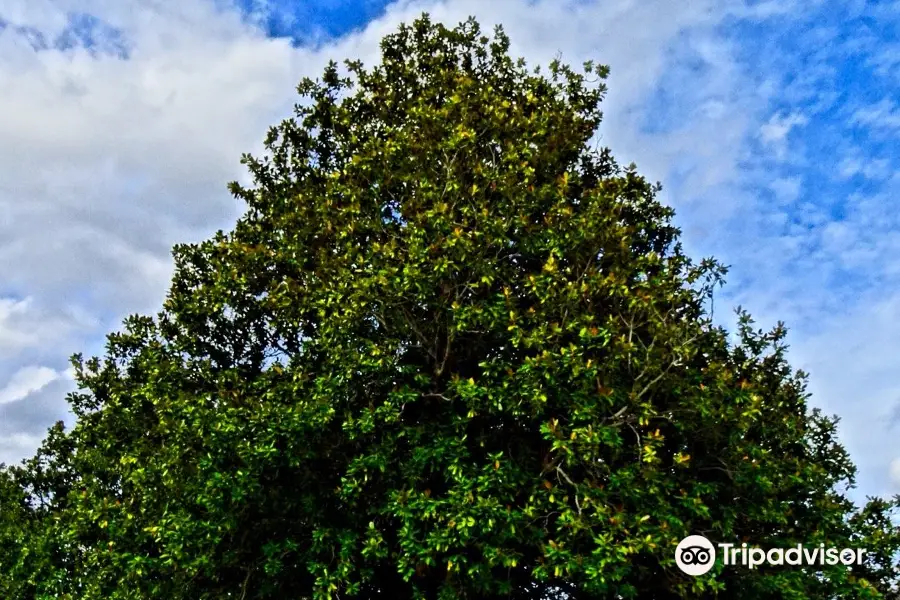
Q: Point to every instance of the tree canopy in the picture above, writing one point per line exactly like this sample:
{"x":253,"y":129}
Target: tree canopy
{"x":450,"y":351}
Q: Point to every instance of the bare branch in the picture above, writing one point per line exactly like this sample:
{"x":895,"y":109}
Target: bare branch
{"x":618,"y":413}
{"x":651,"y":384}
{"x":638,"y":437}
{"x":560,"y":471}
{"x":246,"y":582}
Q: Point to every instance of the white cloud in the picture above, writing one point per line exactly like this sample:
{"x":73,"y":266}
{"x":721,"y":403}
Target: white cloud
{"x":870,"y":168}
{"x":852,"y":359}
{"x":11,"y":333}
{"x":16,"y":446}
{"x":779,"y":126}
{"x":881,"y":116}
{"x":894,"y":473}
{"x":27,"y":325}
{"x":26,"y":381}
{"x":774,"y":133}
{"x":145,"y":145}
{"x":787,"y":189}
{"x":886,"y":61}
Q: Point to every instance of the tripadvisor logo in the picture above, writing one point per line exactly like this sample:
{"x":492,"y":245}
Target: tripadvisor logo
{"x":695,"y":555}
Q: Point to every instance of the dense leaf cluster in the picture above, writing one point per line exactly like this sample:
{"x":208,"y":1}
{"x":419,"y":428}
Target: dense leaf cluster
{"x":448,"y":352}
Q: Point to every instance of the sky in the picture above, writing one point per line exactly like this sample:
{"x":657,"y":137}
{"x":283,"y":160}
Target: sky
{"x":772,"y":125}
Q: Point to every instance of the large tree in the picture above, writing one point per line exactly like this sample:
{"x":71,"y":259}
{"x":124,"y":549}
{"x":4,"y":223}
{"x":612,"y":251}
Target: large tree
{"x":449,"y":351}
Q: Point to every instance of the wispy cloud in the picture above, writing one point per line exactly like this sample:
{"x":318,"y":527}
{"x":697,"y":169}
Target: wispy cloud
{"x":26,"y":381}
{"x":17,"y":444}
{"x":895,"y":472}
{"x":882,"y":116}
{"x":775,"y":131}
{"x":870,"y":168}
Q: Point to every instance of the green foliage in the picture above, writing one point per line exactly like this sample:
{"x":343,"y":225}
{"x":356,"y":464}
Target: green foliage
{"x":448,"y":352}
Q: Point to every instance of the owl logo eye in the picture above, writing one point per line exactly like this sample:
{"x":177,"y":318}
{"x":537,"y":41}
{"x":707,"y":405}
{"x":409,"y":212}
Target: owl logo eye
{"x":695,"y":555}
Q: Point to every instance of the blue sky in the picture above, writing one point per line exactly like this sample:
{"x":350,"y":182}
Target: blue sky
{"x":773,"y":126}
{"x":310,"y":22}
